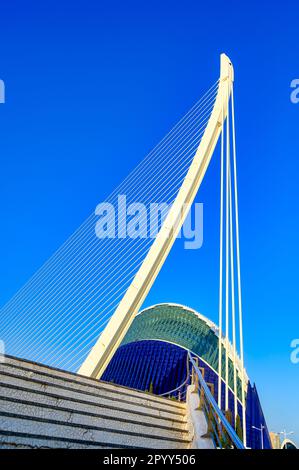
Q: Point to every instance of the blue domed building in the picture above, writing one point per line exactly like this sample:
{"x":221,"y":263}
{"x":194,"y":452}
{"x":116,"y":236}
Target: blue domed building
{"x":153,"y":357}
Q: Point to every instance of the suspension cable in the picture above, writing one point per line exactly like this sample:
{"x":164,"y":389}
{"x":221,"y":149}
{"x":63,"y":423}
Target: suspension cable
{"x":227,"y":258}
{"x":238,"y":267}
{"x":221,"y":265}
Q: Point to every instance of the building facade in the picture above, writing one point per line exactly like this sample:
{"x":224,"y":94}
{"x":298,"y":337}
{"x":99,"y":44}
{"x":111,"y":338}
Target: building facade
{"x":154,"y":357}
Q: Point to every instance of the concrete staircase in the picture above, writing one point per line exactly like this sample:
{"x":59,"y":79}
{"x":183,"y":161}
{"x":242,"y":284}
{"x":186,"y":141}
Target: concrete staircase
{"x":42,"y":407}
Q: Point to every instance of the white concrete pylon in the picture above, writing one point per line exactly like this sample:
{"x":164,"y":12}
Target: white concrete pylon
{"x":108,"y":342}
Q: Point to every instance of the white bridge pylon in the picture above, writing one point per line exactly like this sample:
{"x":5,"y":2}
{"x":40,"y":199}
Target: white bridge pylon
{"x":113,"y":334}
{"x":111,"y":337}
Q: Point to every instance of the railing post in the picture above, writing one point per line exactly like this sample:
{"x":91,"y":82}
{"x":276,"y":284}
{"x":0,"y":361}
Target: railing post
{"x":212,"y":388}
{"x":218,"y":424}
{"x":194,"y":376}
{"x":202,"y":393}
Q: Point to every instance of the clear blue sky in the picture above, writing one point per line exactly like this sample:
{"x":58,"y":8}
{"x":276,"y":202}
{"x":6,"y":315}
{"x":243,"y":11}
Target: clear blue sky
{"x":93,"y":86}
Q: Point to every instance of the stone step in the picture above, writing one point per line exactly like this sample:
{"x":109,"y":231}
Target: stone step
{"x":46,"y":400}
{"x":41,"y":370}
{"x":16,"y":425}
{"x":46,"y":376}
{"x":34,"y":411}
{"x":27,"y":390}
{"x":20,"y":441}
{"x":42,"y":407}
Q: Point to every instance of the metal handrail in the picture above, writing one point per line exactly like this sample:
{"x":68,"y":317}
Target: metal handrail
{"x":237,"y":442}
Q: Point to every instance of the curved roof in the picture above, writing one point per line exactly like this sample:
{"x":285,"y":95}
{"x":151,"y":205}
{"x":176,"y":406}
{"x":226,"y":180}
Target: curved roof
{"x":183,"y":326}
{"x":288,"y":444}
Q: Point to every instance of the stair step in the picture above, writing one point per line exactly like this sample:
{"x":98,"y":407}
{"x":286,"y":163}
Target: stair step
{"x":20,"y":441}
{"x":115,"y":437}
{"x":70,"y":381}
{"x":45,"y":400}
{"x":33,"y":411}
{"x":48,"y":408}
{"x":27,"y":390}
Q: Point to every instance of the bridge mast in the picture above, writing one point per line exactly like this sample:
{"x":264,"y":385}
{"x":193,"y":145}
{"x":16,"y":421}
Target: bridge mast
{"x":108,"y":342}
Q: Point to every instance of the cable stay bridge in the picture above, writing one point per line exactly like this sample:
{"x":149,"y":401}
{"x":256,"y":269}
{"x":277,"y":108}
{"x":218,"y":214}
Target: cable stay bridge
{"x":81,"y":365}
